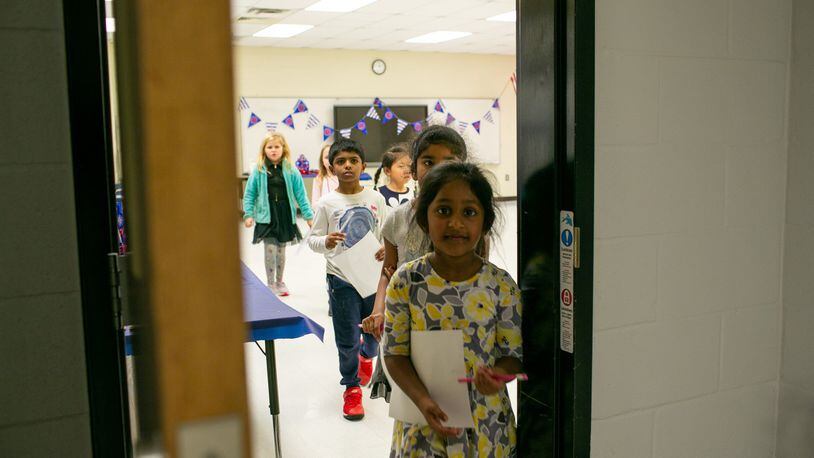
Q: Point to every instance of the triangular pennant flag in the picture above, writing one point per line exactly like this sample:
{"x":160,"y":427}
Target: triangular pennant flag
{"x":345,"y":132}
{"x":462,"y":126}
{"x":439,"y":107}
{"x":361,"y":126}
{"x":371,"y":113}
{"x":300,"y":107}
{"x":388,"y":116}
{"x":253,"y":119}
{"x":378,"y":102}
{"x":271,"y":126}
{"x":496,"y":104}
{"x":289,"y":121}
{"x":418,"y":126}
{"x":244,"y":105}
{"x":400,"y":125}
{"x":450,"y":119}
{"x":476,"y":126}
{"x":327,"y":131}
{"x":313,"y":121}
{"x":488,"y":117}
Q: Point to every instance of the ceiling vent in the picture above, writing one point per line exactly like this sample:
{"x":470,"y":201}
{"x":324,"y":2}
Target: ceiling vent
{"x":262,"y":16}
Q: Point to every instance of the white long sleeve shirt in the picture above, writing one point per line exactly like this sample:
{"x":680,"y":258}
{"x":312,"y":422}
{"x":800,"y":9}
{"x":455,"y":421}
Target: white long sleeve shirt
{"x":352,"y":214}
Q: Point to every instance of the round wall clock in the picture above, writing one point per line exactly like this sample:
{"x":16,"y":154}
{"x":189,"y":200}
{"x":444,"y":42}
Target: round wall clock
{"x":378,"y":66}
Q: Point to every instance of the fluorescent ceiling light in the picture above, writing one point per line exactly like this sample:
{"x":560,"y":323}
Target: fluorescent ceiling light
{"x":110,"y":24}
{"x":283,"y":30}
{"x":438,"y":37}
{"x":511,"y":16}
{"x":338,"y":6}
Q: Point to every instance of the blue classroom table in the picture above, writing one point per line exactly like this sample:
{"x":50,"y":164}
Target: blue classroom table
{"x":267,"y":319}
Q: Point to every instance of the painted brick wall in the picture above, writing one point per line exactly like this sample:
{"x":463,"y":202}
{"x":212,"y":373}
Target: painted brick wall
{"x":690,"y":207}
{"x":43,"y":385}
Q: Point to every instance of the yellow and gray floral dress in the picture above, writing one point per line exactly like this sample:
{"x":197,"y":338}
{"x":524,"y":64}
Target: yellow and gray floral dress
{"x":487,"y":308}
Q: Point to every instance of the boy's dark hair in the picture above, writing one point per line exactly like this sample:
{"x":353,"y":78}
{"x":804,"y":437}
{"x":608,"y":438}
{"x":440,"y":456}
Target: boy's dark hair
{"x":388,"y":158}
{"x":347,"y":146}
{"x":437,"y":135}
{"x":448,"y":172}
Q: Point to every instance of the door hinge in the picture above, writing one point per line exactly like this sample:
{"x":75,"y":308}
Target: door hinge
{"x":118,"y":264}
{"x":576,"y":247}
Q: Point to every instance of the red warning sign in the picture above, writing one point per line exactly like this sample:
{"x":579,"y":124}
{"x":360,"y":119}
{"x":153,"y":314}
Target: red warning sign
{"x":567,"y":297}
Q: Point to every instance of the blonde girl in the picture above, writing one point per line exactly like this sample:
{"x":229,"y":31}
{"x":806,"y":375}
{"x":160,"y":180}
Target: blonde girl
{"x":325,"y":181}
{"x":273,"y":192}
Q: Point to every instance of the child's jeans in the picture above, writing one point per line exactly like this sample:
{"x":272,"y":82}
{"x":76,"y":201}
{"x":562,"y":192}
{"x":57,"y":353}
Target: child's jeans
{"x":349,"y":309}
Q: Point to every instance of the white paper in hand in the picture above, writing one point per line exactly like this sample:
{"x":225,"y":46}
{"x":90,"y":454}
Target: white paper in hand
{"x":438,"y":358}
{"x":359,"y":265}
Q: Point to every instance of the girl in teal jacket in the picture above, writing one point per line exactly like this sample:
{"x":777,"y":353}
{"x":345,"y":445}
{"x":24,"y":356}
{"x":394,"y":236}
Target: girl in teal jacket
{"x":273,"y":191}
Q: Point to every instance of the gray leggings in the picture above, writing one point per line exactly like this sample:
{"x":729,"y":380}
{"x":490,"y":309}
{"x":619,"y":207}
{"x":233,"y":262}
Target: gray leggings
{"x":275,"y":262}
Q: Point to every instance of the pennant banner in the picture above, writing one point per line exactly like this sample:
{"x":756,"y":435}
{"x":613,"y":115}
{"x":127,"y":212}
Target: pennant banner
{"x":345,"y":132}
{"x":400,"y":125}
{"x":271,"y":126}
{"x":462,"y":126}
{"x":388,"y":116}
{"x":439,"y":107}
{"x":244,"y":105}
{"x":300,"y":107}
{"x":289,"y":121}
{"x":476,"y":126}
{"x":488,"y":117}
{"x":378,"y":102}
{"x":361,"y":126}
{"x":313,"y":121}
{"x":418,"y":126}
{"x":496,"y":104}
{"x":253,"y":119}
{"x":327,"y":131}
{"x":371,"y":113}
{"x":450,"y":119}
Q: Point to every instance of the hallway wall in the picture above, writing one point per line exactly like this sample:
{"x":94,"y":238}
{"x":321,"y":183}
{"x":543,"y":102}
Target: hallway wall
{"x":308,"y":73}
{"x":796,"y":409}
{"x":43,"y":386}
{"x":690,"y":207}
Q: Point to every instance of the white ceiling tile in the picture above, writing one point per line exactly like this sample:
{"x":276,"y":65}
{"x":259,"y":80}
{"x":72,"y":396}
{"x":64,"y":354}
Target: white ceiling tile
{"x":242,"y":30}
{"x":394,"y":6}
{"x":283,"y":4}
{"x":309,"y":17}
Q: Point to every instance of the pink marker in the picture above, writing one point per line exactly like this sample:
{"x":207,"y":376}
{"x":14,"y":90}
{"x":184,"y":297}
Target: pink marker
{"x":499,"y":377}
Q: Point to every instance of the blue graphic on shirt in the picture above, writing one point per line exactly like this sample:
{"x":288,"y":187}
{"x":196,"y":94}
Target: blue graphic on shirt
{"x":355,"y":224}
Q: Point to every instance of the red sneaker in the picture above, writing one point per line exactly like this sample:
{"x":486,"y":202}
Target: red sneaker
{"x":353,"y":409}
{"x":365,"y":370}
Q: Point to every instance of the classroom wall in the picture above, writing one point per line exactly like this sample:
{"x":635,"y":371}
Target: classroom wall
{"x":796,"y":409}
{"x":690,"y":207}
{"x":43,"y":386}
{"x":286,"y":72}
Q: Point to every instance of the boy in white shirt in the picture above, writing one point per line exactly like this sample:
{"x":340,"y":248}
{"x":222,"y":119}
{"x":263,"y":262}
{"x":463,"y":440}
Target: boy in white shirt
{"x":342,"y":218}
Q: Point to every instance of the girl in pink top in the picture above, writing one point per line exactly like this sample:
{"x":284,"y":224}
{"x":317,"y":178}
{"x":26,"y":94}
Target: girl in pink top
{"x":325,"y":181}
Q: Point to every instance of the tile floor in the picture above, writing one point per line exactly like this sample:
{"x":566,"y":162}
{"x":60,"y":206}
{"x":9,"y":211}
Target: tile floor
{"x":311,"y":424}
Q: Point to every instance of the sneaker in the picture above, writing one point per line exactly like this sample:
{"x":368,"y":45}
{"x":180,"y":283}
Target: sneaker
{"x":353,"y":410}
{"x":273,"y":288}
{"x":365,"y":370}
{"x":282,"y":289}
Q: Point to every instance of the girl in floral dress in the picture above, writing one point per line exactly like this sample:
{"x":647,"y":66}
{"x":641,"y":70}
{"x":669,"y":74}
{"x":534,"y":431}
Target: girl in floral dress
{"x":453,"y":288}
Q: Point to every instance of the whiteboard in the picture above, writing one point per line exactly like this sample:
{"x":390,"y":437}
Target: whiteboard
{"x":483,"y":147}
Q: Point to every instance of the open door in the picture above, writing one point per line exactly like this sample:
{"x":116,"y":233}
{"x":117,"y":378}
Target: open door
{"x":555,"y":173}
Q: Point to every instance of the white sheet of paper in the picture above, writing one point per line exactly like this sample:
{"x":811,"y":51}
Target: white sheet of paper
{"x":438,"y":358}
{"x":358,"y":263}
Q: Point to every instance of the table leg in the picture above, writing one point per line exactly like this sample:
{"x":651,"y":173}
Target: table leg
{"x":274,"y":400}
